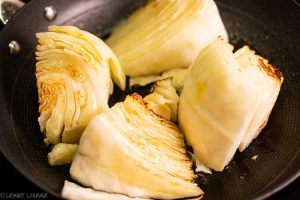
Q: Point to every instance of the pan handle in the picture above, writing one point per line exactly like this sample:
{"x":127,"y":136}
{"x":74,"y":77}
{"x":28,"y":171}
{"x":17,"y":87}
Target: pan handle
{"x":9,"y":8}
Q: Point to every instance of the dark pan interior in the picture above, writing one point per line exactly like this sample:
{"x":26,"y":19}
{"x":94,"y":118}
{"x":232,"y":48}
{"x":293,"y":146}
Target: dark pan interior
{"x":270,"y":27}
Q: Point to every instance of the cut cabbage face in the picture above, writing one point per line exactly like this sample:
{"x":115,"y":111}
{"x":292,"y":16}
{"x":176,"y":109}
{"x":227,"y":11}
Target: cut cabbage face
{"x":171,"y":35}
{"x":220,"y":107}
{"x":163,"y":100}
{"x":73,"y":80}
{"x":101,"y":52}
{"x":130,"y":150}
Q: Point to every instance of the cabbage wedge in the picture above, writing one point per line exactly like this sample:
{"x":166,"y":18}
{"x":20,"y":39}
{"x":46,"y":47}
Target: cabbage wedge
{"x":225,"y":100}
{"x":130,"y":150}
{"x":73,"y":79}
{"x":163,"y":100}
{"x":269,"y":80}
{"x":166,"y":34}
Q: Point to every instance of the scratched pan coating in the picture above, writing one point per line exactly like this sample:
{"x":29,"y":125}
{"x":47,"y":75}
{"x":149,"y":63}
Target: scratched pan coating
{"x":273,"y":33}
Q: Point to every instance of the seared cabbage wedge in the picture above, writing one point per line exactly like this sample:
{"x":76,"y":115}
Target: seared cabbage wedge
{"x":225,"y":102}
{"x":73,"y":79}
{"x":130,"y":150}
{"x":165,"y":34}
{"x":163,"y":100}
{"x":176,"y":74}
{"x":269,"y":83}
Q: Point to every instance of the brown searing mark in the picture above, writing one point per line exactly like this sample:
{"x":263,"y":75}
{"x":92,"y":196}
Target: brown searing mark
{"x":48,"y":94}
{"x":153,"y":3}
{"x":271,"y":70}
{"x":138,"y":98}
{"x":184,"y":160}
{"x":264,"y":123}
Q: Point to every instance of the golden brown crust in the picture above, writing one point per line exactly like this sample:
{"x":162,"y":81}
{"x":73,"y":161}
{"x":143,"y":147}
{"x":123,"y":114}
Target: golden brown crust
{"x":185,"y":160}
{"x":138,"y":98}
{"x":271,"y":70}
{"x":48,"y":94}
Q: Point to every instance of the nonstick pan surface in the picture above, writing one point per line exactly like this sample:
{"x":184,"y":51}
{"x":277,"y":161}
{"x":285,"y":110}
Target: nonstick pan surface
{"x":272,"y":28}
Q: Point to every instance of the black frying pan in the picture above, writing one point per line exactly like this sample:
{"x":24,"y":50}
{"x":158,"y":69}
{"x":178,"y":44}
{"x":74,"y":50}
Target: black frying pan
{"x":270,"y":27}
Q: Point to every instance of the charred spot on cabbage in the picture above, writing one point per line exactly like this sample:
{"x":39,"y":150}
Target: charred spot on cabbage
{"x":128,"y":143}
{"x":221,"y":83}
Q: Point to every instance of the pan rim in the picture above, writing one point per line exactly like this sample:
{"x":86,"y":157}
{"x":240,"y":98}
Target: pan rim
{"x":266,"y":194}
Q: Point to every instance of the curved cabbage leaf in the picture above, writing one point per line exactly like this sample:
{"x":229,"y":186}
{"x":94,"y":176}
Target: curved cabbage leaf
{"x":163,"y":100}
{"x":62,"y":154}
{"x":164,"y":35}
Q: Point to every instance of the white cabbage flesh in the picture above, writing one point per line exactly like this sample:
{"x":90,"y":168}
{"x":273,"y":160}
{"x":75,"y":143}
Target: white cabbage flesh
{"x":176,"y":74}
{"x":130,"y":150}
{"x":269,"y":81}
{"x":163,"y":100}
{"x":73,"y":80}
{"x":167,"y":34}
{"x":219,"y":101}
{"x":62,"y":154}
{"x":73,"y":191}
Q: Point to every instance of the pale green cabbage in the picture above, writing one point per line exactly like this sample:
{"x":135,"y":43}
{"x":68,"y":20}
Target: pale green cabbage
{"x":167,"y":34}
{"x":62,"y":154}
{"x":73,"y":80}
{"x":225,"y":100}
{"x":76,"y":192}
{"x":163,"y":100}
{"x":269,"y":81}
